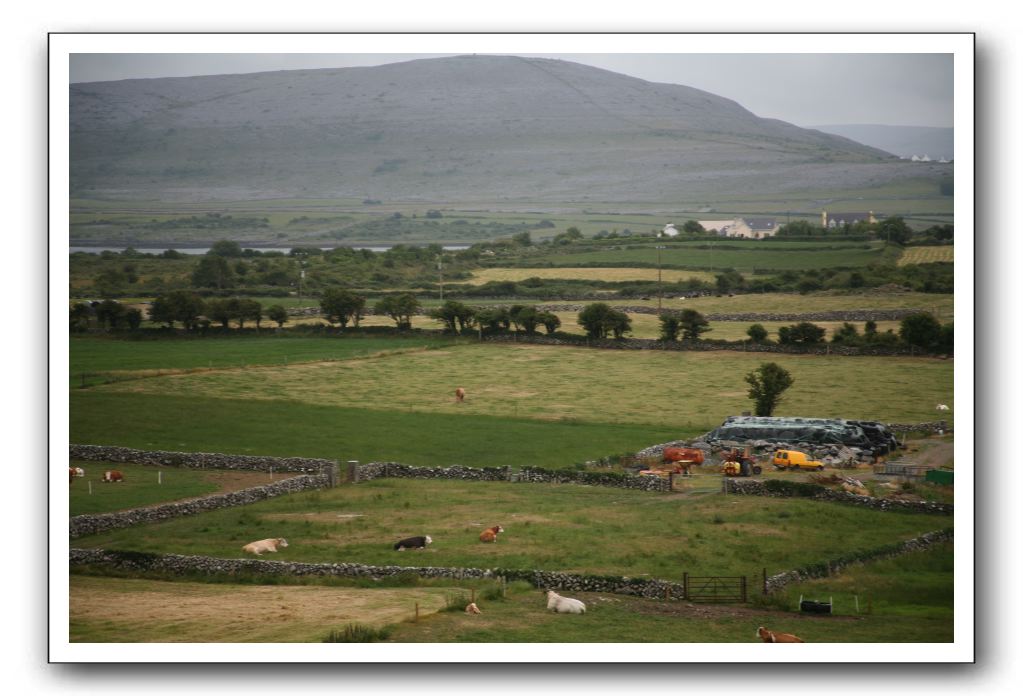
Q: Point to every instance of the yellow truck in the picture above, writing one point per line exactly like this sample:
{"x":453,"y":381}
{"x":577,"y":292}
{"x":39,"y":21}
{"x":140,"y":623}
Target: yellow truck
{"x":794,"y":459}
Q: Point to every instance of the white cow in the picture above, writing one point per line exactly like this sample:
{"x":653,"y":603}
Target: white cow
{"x":564,"y":605}
{"x":941,"y":407}
{"x":258,"y":547}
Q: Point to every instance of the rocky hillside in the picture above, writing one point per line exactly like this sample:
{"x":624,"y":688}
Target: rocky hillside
{"x":495,"y":128}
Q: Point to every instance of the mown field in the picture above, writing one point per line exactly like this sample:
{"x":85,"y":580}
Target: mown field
{"x":927,"y":254}
{"x":571,"y":528}
{"x":561,"y":384}
{"x":100,"y":358}
{"x":152,"y":611}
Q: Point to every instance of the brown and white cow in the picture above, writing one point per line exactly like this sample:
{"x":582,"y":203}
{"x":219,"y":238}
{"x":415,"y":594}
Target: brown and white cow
{"x":75,"y":472}
{"x":112,"y":476}
{"x":271,"y":545}
{"x":459,"y":395}
{"x":775,"y":637}
{"x":490,"y":535}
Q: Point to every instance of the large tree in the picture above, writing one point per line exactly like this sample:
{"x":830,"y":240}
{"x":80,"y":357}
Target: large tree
{"x":692,"y":324}
{"x":399,"y":307}
{"x":921,"y":330}
{"x":342,"y":306}
{"x":600,"y":319}
{"x":767,"y":383}
{"x":177,"y":305}
{"x":454,"y":315}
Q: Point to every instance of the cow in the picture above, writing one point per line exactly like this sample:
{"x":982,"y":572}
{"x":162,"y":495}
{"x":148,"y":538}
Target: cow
{"x":774,"y":637}
{"x":112,"y":476}
{"x":941,"y":407}
{"x":271,"y":545}
{"x":416,"y":542}
{"x":472,"y":609}
{"x":564,"y":605}
{"x":459,"y":395}
{"x":490,"y":535}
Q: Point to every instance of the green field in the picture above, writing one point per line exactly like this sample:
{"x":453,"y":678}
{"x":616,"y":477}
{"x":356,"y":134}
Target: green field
{"x":555,"y":383}
{"x":139,"y":488}
{"x":909,"y":599}
{"x":100,"y":358}
{"x":548,"y":527}
{"x":193,"y":423}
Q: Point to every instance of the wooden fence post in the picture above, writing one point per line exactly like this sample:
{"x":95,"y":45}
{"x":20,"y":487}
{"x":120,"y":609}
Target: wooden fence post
{"x":685,"y":586}
{"x":353,"y":470}
{"x":742,"y":585}
{"x":765,"y":582}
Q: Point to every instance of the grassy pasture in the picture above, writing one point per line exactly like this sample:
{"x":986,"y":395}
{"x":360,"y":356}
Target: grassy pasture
{"x":559,"y":384}
{"x":151,"y":485}
{"x":915,"y":586}
{"x":101,"y":358}
{"x":153,"y":611}
{"x":548,"y":527}
{"x":193,"y":423}
{"x":927,"y":254}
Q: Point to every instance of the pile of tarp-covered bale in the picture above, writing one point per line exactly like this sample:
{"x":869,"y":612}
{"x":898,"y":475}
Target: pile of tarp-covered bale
{"x":834,"y":441}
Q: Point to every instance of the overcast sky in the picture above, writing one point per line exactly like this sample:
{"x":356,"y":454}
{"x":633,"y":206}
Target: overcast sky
{"x":804,"y":89}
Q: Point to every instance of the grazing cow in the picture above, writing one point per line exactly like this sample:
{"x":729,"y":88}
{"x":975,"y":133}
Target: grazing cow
{"x":472,"y":609}
{"x":564,"y":605}
{"x":258,"y":547}
{"x":459,"y":395}
{"x":416,"y":542}
{"x":941,"y":407}
{"x":112,"y":476}
{"x":773,"y":637}
{"x":490,"y":535}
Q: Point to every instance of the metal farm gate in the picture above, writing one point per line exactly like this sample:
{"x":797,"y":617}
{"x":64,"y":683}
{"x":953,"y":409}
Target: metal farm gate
{"x":714,"y":588}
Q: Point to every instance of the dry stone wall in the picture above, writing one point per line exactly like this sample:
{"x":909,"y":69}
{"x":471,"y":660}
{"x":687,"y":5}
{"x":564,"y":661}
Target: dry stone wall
{"x":81,"y":525}
{"x":528,"y":474}
{"x":757,"y":487}
{"x":374,"y":470}
{"x":199,"y":460}
{"x":827,"y":568}
{"x":174,"y":564}
{"x":533,"y":474}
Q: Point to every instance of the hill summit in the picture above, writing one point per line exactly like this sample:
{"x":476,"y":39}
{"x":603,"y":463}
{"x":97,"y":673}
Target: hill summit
{"x":493,"y":128}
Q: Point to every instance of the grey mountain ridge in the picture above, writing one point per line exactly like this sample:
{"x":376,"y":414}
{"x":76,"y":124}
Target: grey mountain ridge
{"x":488,"y":128}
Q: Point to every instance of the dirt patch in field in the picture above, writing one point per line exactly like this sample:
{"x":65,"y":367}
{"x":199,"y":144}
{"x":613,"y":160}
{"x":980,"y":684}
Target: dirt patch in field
{"x":142,"y":611}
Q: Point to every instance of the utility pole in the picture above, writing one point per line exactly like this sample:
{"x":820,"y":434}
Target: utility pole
{"x":440,"y":274}
{"x":659,"y":293}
